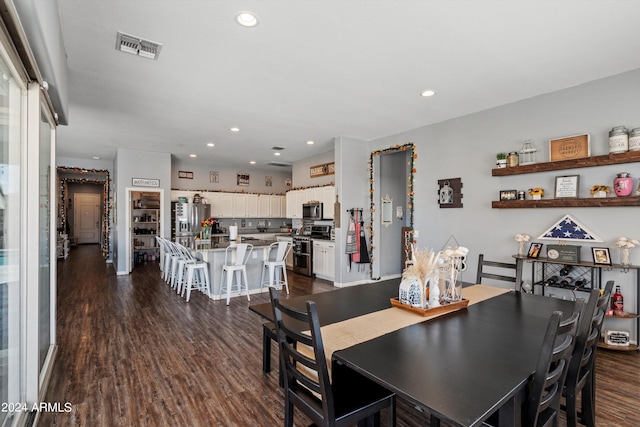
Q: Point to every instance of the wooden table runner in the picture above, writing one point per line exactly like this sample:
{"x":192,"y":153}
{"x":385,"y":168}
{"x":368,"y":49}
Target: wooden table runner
{"x":338,"y":336}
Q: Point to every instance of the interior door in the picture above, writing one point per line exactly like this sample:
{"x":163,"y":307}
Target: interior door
{"x":86,"y":217}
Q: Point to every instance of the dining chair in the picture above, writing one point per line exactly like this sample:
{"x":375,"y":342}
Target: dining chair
{"x":307,"y":385}
{"x":275,"y":265}
{"x":581,"y":375}
{"x":235,"y":264}
{"x":545,"y":389}
{"x":482,"y":274}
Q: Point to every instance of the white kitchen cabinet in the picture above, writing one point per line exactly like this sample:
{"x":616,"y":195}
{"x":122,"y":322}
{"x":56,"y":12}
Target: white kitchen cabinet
{"x":239,"y":205}
{"x":226,"y":205}
{"x":175,"y":194}
{"x":324,"y":264}
{"x":251,"y":205}
{"x":328,"y":198}
{"x":264,"y":206}
{"x":275,"y":206}
{"x":295,"y":199}
{"x":316,"y":194}
{"x":283,"y":206}
{"x":308,"y":195}
{"x":213,"y":198}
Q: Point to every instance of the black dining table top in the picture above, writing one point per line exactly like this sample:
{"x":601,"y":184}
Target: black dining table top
{"x":465,"y":365}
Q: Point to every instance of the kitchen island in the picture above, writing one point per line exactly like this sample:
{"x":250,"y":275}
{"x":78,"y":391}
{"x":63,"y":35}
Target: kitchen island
{"x":215,"y":258}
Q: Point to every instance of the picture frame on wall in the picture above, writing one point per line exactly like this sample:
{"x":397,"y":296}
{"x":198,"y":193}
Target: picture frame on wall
{"x":601,"y":256}
{"x":243,"y":179}
{"x":567,"y":187}
{"x":508,"y":195}
{"x":214,"y":177}
{"x":268,"y":181}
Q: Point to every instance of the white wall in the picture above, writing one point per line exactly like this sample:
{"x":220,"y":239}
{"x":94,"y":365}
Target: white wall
{"x":227,"y":178}
{"x":301,"y":174}
{"x":465,"y":147}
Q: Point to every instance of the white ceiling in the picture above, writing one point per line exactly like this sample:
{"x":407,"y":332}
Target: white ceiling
{"x":316,"y":69}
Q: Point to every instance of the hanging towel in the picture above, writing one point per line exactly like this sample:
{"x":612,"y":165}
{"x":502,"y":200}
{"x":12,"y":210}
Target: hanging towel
{"x":364,"y":249}
{"x":355,"y":257}
{"x":351,"y":237}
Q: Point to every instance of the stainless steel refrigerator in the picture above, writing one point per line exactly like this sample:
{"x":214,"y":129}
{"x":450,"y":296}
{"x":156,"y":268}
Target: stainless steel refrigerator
{"x":185,"y":221}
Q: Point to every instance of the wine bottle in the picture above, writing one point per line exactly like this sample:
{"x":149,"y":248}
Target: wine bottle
{"x":617,"y":301}
{"x":553,"y":280}
{"x":566,"y":270}
{"x":580,"y":283}
{"x":566,"y":282}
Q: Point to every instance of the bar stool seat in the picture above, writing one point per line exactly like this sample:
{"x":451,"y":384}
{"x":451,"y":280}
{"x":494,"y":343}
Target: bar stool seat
{"x":235,"y":265}
{"x":200,"y":283}
{"x":275,"y":266}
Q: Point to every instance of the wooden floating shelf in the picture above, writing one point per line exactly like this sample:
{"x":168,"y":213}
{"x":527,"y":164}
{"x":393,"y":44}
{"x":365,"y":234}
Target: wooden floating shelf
{"x":607,"y":159}
{"x":631,"y":347}
{"x":592,"y":202}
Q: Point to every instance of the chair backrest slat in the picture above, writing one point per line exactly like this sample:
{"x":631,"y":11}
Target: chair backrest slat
{"x":482,"y":274}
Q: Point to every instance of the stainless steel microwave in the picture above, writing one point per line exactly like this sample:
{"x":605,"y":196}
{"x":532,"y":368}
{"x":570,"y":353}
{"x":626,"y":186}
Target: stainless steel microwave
{"x":312,"y":210}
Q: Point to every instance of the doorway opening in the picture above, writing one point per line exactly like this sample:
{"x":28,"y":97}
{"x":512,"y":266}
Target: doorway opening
{"x":144,"y":223}
{"x":72,"y":181}
{"x":391,"y":190}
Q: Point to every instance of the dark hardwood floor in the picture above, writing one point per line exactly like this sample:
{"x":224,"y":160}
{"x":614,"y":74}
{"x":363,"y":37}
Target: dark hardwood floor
{"x":133,"y":353}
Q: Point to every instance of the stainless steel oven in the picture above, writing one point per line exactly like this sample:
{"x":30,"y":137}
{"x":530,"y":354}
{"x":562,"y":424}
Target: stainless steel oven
{"x":302,"y":255}
{"x":312,"y":211}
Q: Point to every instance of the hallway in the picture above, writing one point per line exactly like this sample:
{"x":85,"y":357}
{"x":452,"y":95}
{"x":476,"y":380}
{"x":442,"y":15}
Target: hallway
{"x":132,"y":353}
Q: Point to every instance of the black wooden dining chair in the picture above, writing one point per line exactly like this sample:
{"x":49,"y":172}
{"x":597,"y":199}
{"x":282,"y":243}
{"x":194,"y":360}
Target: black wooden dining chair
{"x":543,"y":398}
{"x":482,"y":273}
{"x":581,"y":375}
{"x":306,"y":383}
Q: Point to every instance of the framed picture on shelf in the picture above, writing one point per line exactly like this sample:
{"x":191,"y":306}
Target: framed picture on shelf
{"x":534,"y":250}
{"x":508,"y":195}
{"x":601,"y":256}
{"x":570,"y":147}
{"x":567,"y":187}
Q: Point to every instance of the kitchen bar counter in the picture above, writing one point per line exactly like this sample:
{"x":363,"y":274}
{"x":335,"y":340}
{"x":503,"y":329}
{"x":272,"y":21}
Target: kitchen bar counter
{"x":215,"y":258}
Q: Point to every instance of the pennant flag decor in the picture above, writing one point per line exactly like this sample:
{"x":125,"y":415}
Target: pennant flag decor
{"x":569,"y":229}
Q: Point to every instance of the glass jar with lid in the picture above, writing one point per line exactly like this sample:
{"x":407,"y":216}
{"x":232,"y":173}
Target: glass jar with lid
{"x":618,"y":140}
{"x":634,"y":139}
{"x":513,"y":159}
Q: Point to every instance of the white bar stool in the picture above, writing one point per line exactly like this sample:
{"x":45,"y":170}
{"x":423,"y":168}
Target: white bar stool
{"x":275,"y":265}
{"x":235,"y":265}
{"x":202,"y":282}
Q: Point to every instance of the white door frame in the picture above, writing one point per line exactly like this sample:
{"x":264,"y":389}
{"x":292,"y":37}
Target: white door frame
{"x":128,"y":191}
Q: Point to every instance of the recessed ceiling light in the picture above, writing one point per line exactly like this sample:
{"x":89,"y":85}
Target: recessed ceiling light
{"x":96,"y":158}
{"x":310,"y":142}
{"x":247,"y":19}
{"x":192,"y":155}
{"x":234,"y":129}
{"x":253,"y":162}
{"x":211,"y":144}
{"x":427,"y":93}
{"x":276,"y":153}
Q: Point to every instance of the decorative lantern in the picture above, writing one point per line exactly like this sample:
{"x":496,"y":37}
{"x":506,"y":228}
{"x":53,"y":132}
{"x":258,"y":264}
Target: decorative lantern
{"x":528,"y":153}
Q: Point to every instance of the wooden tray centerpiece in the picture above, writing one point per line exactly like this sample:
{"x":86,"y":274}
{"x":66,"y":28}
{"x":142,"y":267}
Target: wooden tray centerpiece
{"x":446,"y":307}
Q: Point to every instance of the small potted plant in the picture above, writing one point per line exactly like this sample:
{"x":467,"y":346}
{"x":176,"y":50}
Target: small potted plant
{"x":501,"y":160}
{"x":600,"y":190}
{"x":536,"y":193}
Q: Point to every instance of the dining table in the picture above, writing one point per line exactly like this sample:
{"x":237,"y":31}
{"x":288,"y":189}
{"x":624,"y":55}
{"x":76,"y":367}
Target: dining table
{"x":462,"y":366}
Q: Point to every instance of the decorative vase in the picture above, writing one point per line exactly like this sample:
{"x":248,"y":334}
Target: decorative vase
{"x":411,"y":292}
{"x":452,"y":279}
{"x":521,"y":248}
{"x":536,"y":197}
{"x":600,"y":194}
{"x":623,"y":184}
{"x":501,"y":163}
{"x":206,"y":233}
{"x":625,"y":256}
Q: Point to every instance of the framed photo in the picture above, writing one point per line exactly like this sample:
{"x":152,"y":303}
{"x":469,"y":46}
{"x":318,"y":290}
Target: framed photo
{"x":567,"y":187}
{"x":243,"y":179}
{"x":268,"y":181}
{"x":570,"y":147}
{"x":185,"y":174}
{"x":534,"y":250}
{"x":508,"y":195}
{"x":214,"y":176}
{"x":601,"y":256}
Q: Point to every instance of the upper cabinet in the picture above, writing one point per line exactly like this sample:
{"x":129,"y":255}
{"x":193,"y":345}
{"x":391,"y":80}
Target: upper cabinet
{"x":604,"y":160}
{"x":296,"y":198}
{"x":238,"y":205}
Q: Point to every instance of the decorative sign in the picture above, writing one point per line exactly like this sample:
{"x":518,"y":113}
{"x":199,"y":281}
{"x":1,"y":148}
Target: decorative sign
{"x":567,"y":186}
{"x":268,"y":181}
{"x":214,"y":177}
{"x":243,"y":179}
{"x":322,"y":170}
{"x":185,"y":174}
{"x":145,"y":182}
{"x":571,"y":147}
{"x":450,"y":193}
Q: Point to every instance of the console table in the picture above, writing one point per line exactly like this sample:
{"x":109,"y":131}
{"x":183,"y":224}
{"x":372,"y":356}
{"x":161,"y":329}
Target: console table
{"x":584,"y":269}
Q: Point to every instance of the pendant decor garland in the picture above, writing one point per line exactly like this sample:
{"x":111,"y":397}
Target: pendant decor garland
{"x":410,"y":193}
{"x":106,"y":206}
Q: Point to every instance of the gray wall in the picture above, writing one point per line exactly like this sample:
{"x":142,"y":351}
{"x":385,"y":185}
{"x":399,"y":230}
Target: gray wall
{"x":227,"y":178}
{"x":301,"y":171}
{"x":465,"y":147}
{"x":138,"y":164}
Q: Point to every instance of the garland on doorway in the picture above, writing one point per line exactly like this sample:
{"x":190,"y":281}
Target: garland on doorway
{"x":106,"y":206}
{"x":410,"y":192}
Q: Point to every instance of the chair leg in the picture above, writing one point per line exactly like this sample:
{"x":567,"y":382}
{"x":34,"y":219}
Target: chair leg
{"x":205,"y":272}
{"x":189,"y":283}
{"x":266,"y":349}
{"x":284,"y":275}
{"x":229,"y":283}
{"x":588,"y":403}
{"x":246,"y":283}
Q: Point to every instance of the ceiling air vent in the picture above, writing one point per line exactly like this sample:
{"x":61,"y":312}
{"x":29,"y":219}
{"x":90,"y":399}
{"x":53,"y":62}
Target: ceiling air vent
{"x":277,"y":148}
{"x":137,"y":46}
{"x":280,"y":164}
